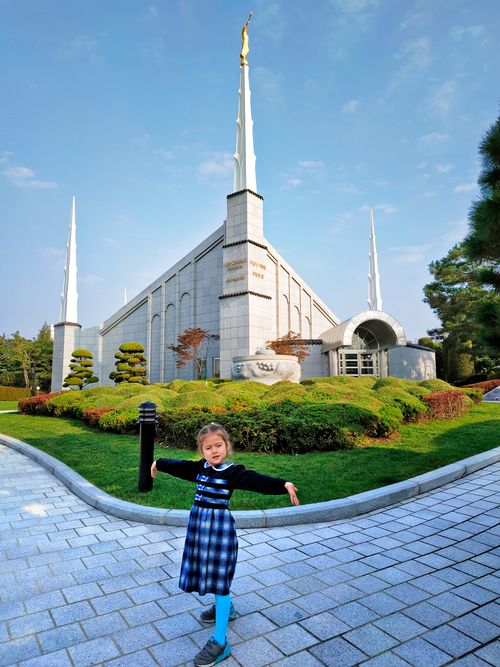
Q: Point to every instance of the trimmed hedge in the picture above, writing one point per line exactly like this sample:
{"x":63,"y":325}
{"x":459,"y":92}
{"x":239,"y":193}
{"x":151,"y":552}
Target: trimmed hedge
{"x":36,"y":405}
{"x":484,"y":387}
{"x":13,"y":393}
{"x":286,"y":427}
{"x":448,"y":404}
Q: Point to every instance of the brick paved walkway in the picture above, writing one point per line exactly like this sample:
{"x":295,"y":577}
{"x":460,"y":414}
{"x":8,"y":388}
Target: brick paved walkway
{"x":417,"y":584}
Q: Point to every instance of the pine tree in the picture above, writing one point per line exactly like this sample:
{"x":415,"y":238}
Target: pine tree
{"x":81,"y":373}
{"x":483,"y":242}
{"x":130,"y":364}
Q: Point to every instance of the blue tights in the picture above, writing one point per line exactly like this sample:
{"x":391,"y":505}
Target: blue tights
{"x":222,"y":609}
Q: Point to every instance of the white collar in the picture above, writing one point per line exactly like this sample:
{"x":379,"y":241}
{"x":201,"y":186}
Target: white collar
{"x":221,"y":466}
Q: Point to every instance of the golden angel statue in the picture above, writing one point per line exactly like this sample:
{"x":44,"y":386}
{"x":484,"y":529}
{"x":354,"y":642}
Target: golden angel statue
{"x":244,"y":43}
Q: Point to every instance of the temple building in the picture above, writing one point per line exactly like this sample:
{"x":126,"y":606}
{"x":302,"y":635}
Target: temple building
{"x":236,"y":285}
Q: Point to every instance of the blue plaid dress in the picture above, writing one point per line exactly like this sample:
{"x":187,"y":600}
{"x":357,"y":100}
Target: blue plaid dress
{"x":211,"y":546}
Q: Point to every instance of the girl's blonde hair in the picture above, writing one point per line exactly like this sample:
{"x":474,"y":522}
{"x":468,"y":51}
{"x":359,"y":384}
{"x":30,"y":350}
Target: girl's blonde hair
{"x":214,"y":428}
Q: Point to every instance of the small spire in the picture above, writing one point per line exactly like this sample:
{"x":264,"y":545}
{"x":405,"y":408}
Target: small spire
{"x":244,"y":157}
{"x":69,"y":296}
{"x":374,"y":295}
{"x":125,"y":300}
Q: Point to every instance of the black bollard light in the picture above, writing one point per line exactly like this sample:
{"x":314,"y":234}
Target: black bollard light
{"x":147,"y":422}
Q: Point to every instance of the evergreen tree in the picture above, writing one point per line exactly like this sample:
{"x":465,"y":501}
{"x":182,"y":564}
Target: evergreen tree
{"x":81,"y":373}
{"x":455,"y":295}
{"x":130,"y":364}
{"x":483,"y":242}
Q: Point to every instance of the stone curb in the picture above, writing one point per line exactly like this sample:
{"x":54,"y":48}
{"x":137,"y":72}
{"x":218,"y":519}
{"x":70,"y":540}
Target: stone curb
{"x":331,"y":510}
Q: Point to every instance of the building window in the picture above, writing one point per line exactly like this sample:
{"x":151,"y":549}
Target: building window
{"x":215,"y":367}
{"x":358,"y":363}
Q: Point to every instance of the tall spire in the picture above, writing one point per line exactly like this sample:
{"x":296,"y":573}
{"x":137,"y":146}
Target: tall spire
{"x":69,"y":296}
{"x":244,"y":157}
{"x":374,"y":295}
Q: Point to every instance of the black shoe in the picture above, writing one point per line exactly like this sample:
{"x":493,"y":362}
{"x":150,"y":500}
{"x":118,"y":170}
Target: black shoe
{"x":207,"y":617}
{"x":212,"y":653}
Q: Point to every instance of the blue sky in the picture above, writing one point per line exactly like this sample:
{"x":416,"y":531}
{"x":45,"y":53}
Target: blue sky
{"x":131,"y":106}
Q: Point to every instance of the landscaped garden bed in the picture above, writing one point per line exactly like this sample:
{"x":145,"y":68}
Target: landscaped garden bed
{"x":333,"y":436}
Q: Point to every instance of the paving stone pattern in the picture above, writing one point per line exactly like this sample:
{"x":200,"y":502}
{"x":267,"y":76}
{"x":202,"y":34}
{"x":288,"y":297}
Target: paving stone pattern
{"x":415,"y":584}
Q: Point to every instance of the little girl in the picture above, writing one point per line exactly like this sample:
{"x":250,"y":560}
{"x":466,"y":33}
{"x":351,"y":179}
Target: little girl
{"x":211,"y":546}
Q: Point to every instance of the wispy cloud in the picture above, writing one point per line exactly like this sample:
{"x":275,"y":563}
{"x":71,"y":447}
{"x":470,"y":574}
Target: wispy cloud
{"x":165,"y":153}
{"x":459,"y":32}
{"x":152,"y":12}
{"x":113,"y":243}
{"x":83,"y":47}
{"x":50,"y":252}
{"x":432,"y":139}
{"x":445,"y":168}
{"x":90,"y":279}
{"x":350,"y":106}
{"x":24,"y":177}
{"x":457,"y":232}
{"x":311,"y":166}
{"x":268,"y":85}
{"x":413,"y":20}
{"x":428,"y":194}
{"x":443,"y":99}
{"x":153,"y":49}
{"x":384,"y":208}
{"x":294,"y":176}
{"x":414,"y":56}
{"x":411,"y":254}
{"x":216,"y":165}
{"x":341,"y":222}
{"x":465,"y":187}
{"x":350,"y":21}
{"x":270,"y":21}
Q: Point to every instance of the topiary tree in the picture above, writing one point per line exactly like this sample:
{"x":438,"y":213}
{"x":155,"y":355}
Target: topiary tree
{"x":81,"y":370}
{"x":130,"y":364}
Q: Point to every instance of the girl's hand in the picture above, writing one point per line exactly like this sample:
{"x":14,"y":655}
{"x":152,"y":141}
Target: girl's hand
{"x":154,"y":471}
{"x":292,"y":490}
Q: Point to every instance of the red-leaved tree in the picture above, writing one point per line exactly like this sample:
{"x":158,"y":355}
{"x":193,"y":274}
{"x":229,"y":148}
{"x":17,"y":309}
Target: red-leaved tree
{"x":291,"y":343}
{"x":193,"y":345}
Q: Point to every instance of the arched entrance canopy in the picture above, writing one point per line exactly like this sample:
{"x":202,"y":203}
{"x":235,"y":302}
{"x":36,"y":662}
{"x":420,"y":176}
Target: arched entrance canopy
{"x":385,"y":331}
{"x":359,"y":346}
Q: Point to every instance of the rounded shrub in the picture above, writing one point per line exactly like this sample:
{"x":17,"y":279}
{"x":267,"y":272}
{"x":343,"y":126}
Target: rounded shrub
{"x":67,"y":404}
{"x":200,"y":400}
{"x":434,"y":384}
{"x":127,"y":390}
{"x":194,"y":385}
{"x":119,"y":421}
{"x":285,"y":390}
{"x":412,"y":407}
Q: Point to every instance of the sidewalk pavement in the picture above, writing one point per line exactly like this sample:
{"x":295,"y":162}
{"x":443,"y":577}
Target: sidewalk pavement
{"x":417,"y":583}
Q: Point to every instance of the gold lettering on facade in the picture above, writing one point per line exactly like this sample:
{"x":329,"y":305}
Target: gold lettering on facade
{"x":235,"y":264}
{"x":231,"y":279}
{"x":258,"y":265}
{"x":257,"y":275}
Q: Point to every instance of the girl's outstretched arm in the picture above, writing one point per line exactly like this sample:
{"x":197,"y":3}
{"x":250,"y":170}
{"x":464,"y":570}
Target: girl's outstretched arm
{"x":154,"y":471}
{"x":292,"y":490}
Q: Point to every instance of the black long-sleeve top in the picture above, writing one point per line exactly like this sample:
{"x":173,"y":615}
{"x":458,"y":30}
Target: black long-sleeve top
{"x":217,"y":483}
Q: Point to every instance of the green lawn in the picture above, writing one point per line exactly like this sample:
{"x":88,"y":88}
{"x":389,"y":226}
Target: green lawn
{"x":110,"y":461}
{"x":8,"y":405}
